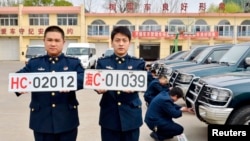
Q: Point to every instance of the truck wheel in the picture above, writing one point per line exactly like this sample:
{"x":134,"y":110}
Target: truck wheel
{"x":93,"y":67}
{"x":240,"y":117}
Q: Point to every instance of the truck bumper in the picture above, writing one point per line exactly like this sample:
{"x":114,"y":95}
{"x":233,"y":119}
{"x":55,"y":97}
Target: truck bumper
{"x":214,"y":115}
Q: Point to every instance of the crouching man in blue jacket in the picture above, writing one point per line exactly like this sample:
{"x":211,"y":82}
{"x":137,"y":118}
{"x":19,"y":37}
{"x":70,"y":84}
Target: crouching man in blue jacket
{"x":160,"y":114}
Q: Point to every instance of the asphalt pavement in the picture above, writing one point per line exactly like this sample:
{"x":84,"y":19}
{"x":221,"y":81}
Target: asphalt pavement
{"x":14,"y":114}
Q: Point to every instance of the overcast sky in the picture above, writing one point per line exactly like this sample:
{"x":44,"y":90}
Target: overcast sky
{"x":193,"y":5}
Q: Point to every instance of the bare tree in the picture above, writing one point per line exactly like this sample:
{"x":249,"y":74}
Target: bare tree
{"x":89,"y":5}
{"x":9,"y":2}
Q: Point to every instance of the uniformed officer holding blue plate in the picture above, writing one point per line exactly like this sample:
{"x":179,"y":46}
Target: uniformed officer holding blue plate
{"x":54,"y":114}
{"x":120,"y":114}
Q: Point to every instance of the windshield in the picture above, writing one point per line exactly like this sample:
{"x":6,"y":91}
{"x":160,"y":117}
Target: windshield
{"x":202,"y":55}
{"x":77,"y":51}
{"x":193,"y":53}
{"x":109,"y":52}
{"x":184,"y":55}
{"x":234,"y":54}
{"x":33,"y":51}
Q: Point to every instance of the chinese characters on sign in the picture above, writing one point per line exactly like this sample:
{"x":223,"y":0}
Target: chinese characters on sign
{"x":156,"y":34}
{"x":16,"y":31}
{"x":202,"y":7}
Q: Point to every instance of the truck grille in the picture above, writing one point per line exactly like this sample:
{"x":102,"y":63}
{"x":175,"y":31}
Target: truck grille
{"x":200,"y":92}
{"x":195,"y":88}
{"x":173,"y":78}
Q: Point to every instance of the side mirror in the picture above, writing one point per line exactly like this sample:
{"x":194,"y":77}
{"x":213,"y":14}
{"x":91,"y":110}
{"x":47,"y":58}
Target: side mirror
{"x":247,"y":61}
{"x":209,"y":60}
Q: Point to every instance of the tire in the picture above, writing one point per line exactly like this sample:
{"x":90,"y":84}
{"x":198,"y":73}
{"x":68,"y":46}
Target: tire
{"x":93,"y":67}
{"x":240,"y":117}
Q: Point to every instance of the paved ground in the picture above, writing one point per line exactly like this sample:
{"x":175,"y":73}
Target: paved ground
{"x":14,"y":114}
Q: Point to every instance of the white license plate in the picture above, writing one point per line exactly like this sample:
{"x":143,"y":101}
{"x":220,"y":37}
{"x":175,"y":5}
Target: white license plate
{"x":115,"y":80}
{"x":48,"y":81}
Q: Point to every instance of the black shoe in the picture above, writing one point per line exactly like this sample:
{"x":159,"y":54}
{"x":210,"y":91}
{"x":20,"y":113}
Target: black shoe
{"x":154,"y":136}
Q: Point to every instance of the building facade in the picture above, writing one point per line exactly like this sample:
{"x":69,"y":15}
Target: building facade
{"x":154,"y":34}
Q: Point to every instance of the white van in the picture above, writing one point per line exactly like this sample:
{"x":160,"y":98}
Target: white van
{"x":34,"y":51}
{"x":86,"y":52}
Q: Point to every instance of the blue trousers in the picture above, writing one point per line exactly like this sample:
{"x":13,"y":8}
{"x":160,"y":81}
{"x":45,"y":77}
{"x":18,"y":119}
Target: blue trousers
{"x":65,"y":136}
{"x":169,"y":131}
{"x":112,"y":135}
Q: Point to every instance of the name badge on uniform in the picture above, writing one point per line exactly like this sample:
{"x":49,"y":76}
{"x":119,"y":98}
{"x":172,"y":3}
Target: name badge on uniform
{"x":130,"y":67}
{"x":65,"y":68}
{"x":109,"y":67}
{"x":41,"y":69}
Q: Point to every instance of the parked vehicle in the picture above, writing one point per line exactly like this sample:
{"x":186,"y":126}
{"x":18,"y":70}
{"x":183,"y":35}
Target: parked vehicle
{"x":34,"y":51}
{"x":222,"y":99}
{"x":232,"y":61}
{"x":86,"y":52}
{"x":209,"y":55}
{"x":174,"y":56}
{"x":192,"y":53}
{"x":108,"y":52}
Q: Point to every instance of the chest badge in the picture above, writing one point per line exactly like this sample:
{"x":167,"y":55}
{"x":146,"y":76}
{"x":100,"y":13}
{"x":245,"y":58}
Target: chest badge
{"x":65,"y":68}
{"x":41,"y":69}
{"x":130,"y":67}
{"x":109,"y":67}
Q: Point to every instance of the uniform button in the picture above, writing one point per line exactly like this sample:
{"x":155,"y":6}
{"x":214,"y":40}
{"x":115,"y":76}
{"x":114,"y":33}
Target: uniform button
{"x":74,"y":107}
{"x":119,"y":62}
{"x":53,"y":71}
{"x":118,"y":92}
{"x":119,"y":103}
{"x":32,"y":109}
{"x":53,"y":62}
{"x":53,"y":94}
{"x":53,"y":105}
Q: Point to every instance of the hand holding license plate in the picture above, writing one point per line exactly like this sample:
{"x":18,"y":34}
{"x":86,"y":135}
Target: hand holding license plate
{"x":48,"y":81}
{"x":115,"y":79}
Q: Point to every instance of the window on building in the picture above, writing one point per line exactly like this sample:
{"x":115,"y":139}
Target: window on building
{"x":8,"y":19}
{"x":224,"y":28}
{"x":150,"y":25}
{"x":201,"y":26}
{"x":39,"y":19}
{"x":98,"y":28}
{"x":67,"y":19}
{"x":244,"y":28}
{"x":125,"y":23}
{"x":175,"y":25}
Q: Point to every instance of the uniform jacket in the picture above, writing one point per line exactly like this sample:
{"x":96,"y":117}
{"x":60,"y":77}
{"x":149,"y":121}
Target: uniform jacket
{"x":154,"y":88}
{"x":119,"y":110}
{"x":54,"y":112}
{"x":162,"y":110}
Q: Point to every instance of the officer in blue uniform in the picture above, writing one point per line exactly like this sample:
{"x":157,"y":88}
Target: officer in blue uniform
{"x":155,"y":87}
{"x":54,"y":115}
{"x":120,"y":114}
{"x":160,"y":113}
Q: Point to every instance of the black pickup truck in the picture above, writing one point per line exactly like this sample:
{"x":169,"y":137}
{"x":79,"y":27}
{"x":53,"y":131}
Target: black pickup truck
{"x":232,"y":61}
{"x":222,"y":99}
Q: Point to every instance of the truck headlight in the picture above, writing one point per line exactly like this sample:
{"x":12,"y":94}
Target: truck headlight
{"x":219,"y":95}
{"x":186,"y":78}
